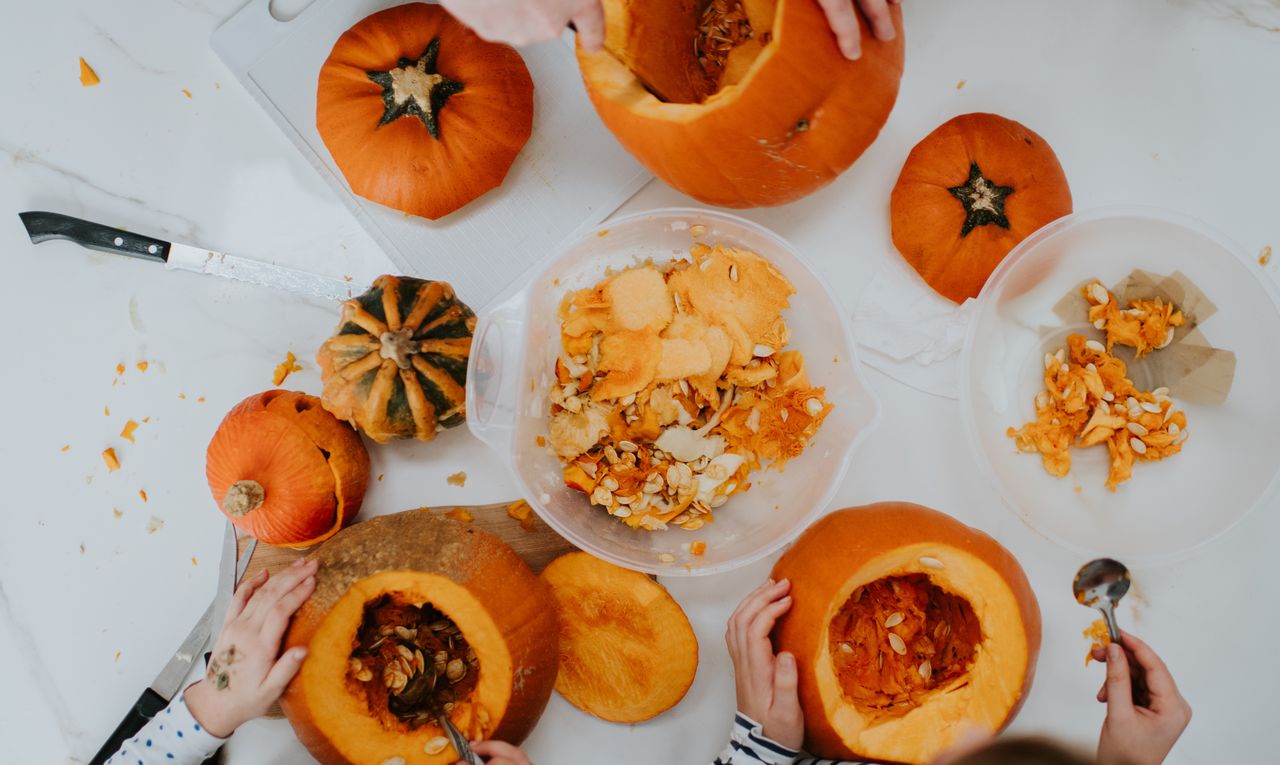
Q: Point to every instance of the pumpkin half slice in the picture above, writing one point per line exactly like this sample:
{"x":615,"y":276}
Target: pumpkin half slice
{"x":414,"y":616}
{"x":627,"y":651}
{"x":908,"y":628}
{"x":739,"y":103}
{"x":286,"y":471}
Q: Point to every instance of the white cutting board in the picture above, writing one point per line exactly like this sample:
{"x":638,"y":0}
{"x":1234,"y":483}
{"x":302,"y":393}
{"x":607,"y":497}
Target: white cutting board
{"x":570,"y":175}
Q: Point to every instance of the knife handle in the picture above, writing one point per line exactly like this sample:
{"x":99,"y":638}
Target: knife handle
{"x":146,"y":707}
{"x":43,"y":226}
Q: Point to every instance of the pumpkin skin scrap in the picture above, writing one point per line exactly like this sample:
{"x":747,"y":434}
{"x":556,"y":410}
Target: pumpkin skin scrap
{"x":503,"y":611}
{"x":286,"y":471}
{"x":968,"y":194}
{"x":627,"y":650}
{"x":397,"y":367}
{"x":791,"y":114}
{"x":426,"y":154}
{"x":850,"y":557}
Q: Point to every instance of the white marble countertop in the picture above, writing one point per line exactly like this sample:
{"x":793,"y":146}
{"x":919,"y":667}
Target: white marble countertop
{"x":1172,"y":104}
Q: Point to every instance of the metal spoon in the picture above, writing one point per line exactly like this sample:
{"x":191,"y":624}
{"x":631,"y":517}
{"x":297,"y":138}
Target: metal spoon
{"x":1101,"y":584}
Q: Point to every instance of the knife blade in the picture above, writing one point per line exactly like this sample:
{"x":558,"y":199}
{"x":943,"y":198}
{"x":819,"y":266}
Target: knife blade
{"x":157,"y":696}
{"x":44,"y":226}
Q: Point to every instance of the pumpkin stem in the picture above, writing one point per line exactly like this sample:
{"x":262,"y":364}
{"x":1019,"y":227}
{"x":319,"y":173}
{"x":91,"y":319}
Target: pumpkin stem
{"x":243,"y":498}
{"x":983,"y":201}
{"x":398,"y":346}
{"x":413,"y":88}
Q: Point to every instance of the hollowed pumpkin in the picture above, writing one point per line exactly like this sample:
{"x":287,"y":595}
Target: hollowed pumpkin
{"x":419,"y":113}
{"x":767,"y":117}
{"x":397,"y":366}
{"x":366,"y":694}
{"x":967,"y":194}
{"x":286,"y":471}
{"x":627,"y":651}
{"x":907,"y":627}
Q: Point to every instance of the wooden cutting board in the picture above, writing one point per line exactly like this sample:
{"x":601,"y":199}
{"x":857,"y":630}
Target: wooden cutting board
{"x":532,"y":539}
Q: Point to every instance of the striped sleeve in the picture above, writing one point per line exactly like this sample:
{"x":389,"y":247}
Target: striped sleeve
{"x":749,"y":746}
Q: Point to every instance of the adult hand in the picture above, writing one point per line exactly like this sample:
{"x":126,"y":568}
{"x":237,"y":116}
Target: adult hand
{"x":766,"y":683}
{"x":245,"y":677}
{"x":498,"y":753}
{"x":1134,"y":735}
{"x":844,"y":22}
{"x":520,"y":22}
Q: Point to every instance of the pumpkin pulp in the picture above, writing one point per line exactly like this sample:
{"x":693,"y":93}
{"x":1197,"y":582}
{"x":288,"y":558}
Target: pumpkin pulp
{"x":413,"y":88}
{"x":899,"y":640}
{"x":411,"y":662}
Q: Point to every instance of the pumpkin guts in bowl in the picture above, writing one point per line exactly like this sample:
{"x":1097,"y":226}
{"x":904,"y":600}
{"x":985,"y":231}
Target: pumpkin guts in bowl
{"x":673,"y":385}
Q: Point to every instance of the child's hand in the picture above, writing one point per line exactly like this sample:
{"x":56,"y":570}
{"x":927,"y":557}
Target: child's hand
{"x":519,"y":22}
{"x":844,"y":22}
{"x":244,"y":677}
{"x":1134,"y":735}
{"x":498,"y":753}
{"x":766,"y":684}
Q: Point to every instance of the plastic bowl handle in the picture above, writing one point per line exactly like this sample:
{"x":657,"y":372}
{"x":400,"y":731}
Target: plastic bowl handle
{"x":493,"y":373}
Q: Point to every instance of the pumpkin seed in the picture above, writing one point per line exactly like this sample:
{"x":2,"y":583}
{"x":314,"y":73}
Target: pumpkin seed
{"x":455,"y":670}
{"x":1099,"y":294}
{"x":611,"y":455}
{"x":356,"y":665}
{"x":846,"y":648}
{"x":1173,"y":428}
{"x":932,"y":563}
{"x":628,"y":446}
{"x":364,"y":675}
{"x":718,"y":501}
{"x":1151,"y":407}
{"x":733,"y":273}
{"x":926,"y":670}
{"x":697,"y":229}
{"x":601,"y":496}
{"x":1099,"y":323}
{"x":813,"y":406}
{"x":1049,"y":361}
{"x":1137,"y":429}
{"x":609,"y":482}
{"x":1108,"y":396}
{"x":439,"y":626}
{"x":1168,"y":338}
{"x":393,"y":761}
{"x":762,"y":351}
{"x":1138,"y":446}
{"x":894,"y":620}
{"x":435,"y":745}
{"x":1095,"y":346}
{"x":896,"y":643}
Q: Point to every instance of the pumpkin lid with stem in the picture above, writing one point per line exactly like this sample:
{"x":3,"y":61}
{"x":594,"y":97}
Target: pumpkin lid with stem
{"x":419,"y":113}
{"x":967,"y":194}
{"x":627,"y":650}
{"x":285,"y":471}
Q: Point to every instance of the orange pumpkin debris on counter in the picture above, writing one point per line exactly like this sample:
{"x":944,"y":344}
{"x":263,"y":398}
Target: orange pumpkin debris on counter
{"x":457,"y":479}
{"x":142,"y":366}
{"x":461,"y":514}
{"x":109,"y":457}
{"x":88,"y":77}
{"x":1088,"y":398}
{"x":285,"y":368}
{"x":627,"y":650}
{"x":413,"y":615}
{"x":739,"y":103}
{"x":521,"y":511}
{"x":968,"y":194}
{"x":908,"y":628}
{"x":419,"y":113}
{"x":127,"y":432}
{"x":285,"y":471}
{"x":673,"y":384}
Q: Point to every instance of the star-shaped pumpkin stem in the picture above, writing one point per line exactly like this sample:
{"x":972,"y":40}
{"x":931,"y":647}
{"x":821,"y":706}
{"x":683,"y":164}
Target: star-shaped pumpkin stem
{"x":983,"y":201}
{"x":415,"y":89}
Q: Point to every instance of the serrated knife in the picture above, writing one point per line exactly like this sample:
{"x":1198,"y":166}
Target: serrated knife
{"x":161,"y":691}
{"x":43,"y":226}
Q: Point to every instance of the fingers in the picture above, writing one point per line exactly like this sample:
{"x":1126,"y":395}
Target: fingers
{"x":740,"y":624}
{"x":1159,"y":680}
{"x":844,"y":23}
{"x":243,"y":593}
{"x":500,"y":751}
{"x":763,"y":622}
{"x":1119,"y":690}
{"x":1102,"y":693}
{"x":877,"y":12}
{"x":589,"y":21}
{"x":263,"y":601}
{"x":785,"y":679}
{"x":277,"y":617}
{"x":283,"y":671}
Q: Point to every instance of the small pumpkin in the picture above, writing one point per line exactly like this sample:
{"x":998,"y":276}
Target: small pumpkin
{"x":397,"y":365}
{"x":968,"y":194}
{"x":419,"y":113}
{"x":286,"y":471}
{"x":627,"y":650}
{"x":767,"y":117}
{"x":412,"y":612}
{"x":909,"y":629}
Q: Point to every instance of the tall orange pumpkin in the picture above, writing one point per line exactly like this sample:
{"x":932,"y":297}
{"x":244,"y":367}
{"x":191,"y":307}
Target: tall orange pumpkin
{"x":967,"y":194}
{"x":286,"y":471}
{"x":419,"y":113}
{"x":909,"y":628}
{"x":776,"y":118}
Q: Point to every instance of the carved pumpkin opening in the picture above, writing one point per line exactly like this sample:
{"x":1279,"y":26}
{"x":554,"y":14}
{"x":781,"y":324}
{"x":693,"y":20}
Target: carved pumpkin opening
{"x":900,"y":640}
{"x":411,"y":662}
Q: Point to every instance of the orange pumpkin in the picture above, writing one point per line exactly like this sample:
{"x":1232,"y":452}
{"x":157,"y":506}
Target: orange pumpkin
{"x":286,"y":471}
{"x":908,"y":628}
{"x":627,"y":650}
{"x":776,"y":117}
{"x":967,"y":194}
{"x":414,"y":614}
{"x":419,"y":113}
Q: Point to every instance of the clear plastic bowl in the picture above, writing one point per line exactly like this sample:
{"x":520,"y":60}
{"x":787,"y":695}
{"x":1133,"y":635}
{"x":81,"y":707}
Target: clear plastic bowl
{"x":1231,"y":461}
{"x":512,"y":366}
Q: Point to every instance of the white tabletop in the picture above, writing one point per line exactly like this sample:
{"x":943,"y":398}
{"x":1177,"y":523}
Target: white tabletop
{"x":1172,"y":104}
